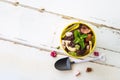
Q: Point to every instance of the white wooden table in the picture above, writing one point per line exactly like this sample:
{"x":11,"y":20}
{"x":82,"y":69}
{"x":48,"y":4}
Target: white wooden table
{"x":30,"y":30}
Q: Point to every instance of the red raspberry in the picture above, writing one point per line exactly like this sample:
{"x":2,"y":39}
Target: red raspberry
{"x":53,"y":54}
{"x":96,"y":53}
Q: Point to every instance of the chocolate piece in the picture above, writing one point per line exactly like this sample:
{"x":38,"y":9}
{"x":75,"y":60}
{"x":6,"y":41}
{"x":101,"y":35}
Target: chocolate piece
{"x":89,"y":69}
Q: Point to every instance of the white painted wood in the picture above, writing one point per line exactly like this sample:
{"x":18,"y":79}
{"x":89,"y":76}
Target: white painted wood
{"x":19,"y":62}
{"x":102,"y":11}
{"x":26,"y":25}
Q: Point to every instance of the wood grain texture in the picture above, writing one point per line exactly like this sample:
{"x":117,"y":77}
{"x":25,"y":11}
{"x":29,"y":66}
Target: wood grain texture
{"x":27,"y":36}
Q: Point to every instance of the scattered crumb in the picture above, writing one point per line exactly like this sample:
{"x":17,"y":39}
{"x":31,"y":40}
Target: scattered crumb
{"x":58,"y":47}
{"x":89,"y":69}
{"x":53,"y":53}
{"x":96,"y":53}
{"x":77,"y":74}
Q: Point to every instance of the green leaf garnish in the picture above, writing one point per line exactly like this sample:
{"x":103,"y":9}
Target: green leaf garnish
{"x":79,"y":38}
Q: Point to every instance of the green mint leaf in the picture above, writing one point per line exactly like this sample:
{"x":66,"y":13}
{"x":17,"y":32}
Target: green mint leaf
{"x":82,"y":44}
{"x":79,"y":38}
{"x":76,"y":33}
{"x":84,"y":36}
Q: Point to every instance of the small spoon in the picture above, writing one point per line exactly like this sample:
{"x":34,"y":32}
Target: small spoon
{"x":65,"y":63}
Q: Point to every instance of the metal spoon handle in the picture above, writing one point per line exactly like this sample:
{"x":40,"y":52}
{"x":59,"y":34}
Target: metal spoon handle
{"x":87,"y":60}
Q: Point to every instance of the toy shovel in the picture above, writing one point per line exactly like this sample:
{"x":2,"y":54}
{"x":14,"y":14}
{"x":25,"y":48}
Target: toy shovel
{"x":65,"y":63}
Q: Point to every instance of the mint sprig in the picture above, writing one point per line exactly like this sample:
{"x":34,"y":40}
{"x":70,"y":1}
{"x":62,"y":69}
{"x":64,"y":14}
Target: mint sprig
{"x":79,"y":38}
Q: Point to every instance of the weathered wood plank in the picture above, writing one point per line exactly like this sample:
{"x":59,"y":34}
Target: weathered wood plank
{"x":107,"y":53}
{"x":115,"y":39}
{"x":21,"y":62}
{"x":27,"y":24}
{"x":75,"y":12}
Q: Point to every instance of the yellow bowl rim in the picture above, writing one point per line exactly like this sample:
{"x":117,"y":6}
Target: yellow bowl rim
{"x":81,"y":57}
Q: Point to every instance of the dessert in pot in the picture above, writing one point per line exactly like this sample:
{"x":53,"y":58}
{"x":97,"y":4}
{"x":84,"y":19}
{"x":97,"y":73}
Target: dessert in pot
{"x":78,"y":40}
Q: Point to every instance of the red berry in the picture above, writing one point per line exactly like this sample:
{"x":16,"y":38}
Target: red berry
{"x":53,"y":54}
{"x":96,"y":53}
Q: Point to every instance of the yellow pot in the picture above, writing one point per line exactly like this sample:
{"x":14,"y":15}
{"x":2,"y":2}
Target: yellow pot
{"x":93,"y":46}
